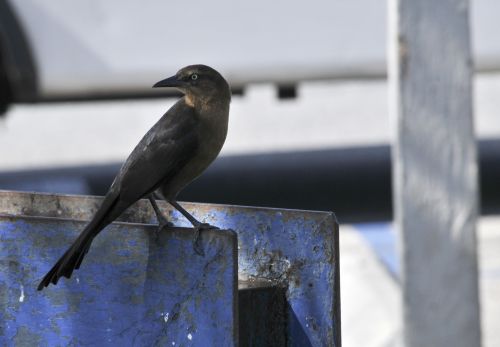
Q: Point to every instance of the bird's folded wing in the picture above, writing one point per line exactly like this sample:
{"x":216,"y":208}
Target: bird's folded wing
{"x":157,"y":158}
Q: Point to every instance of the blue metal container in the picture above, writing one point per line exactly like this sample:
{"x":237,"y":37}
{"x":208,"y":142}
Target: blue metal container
{"x":135,"y":289}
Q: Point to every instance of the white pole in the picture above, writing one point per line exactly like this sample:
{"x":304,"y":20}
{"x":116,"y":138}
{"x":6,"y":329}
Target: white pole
{"x":435,"y":171}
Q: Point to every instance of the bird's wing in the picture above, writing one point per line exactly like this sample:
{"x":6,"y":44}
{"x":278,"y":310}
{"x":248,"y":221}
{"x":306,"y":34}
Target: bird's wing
{"x":162,"y":152}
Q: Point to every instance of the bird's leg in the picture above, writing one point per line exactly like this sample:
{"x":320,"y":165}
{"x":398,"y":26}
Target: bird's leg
{"x":162,"y":220}
{"x":198,"y":226}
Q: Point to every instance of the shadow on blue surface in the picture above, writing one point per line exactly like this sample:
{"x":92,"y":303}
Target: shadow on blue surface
{"x":300,"y":336}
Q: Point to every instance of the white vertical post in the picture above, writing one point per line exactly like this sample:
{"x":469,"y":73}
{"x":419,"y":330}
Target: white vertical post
{"x":435,"y":170}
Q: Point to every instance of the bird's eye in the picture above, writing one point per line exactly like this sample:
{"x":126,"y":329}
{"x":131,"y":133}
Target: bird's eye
{"x":194,"y":77}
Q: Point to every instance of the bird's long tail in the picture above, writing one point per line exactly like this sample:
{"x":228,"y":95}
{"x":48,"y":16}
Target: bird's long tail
{"x":73,"y":257}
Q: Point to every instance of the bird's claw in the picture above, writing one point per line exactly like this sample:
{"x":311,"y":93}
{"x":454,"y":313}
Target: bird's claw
{"x":163,"y":224}
{"x":197,"y":247}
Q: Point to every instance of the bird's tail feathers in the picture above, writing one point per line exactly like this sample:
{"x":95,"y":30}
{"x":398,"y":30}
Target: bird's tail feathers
{"x":73,"y":257}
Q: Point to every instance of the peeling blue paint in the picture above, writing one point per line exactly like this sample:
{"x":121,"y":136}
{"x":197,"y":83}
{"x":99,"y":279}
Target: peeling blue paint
{"x":122,"y":294}
{"x":134,"y":289}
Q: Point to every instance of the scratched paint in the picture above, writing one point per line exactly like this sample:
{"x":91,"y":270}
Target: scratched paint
{"x":102,"y":307}
{"x":297,"y":250}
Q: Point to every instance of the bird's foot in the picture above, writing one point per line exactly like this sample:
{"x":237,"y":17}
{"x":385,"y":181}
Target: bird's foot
{"x":197,"y":247}
{"x":165,"y":224}
{"x":162,"y":225}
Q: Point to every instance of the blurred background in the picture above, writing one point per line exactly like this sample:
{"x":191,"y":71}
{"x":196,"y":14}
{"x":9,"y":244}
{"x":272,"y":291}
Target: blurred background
{"x":309,"y":123}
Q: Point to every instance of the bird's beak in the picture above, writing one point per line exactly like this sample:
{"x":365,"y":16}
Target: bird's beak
{"x":168,"y":82}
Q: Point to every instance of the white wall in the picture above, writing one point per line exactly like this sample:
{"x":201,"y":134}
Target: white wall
{"x":95,"y":45}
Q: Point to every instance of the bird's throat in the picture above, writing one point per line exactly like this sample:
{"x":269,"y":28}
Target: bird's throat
{"x":189,"y":99}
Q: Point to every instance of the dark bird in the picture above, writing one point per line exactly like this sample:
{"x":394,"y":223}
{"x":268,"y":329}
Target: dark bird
{"x":176,"y":150}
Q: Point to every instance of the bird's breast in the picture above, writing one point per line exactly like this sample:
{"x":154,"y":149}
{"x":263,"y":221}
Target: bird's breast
{"x":211,"y":138}
{"x":211,"y":135}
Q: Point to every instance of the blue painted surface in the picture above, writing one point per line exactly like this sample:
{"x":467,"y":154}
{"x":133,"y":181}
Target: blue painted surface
{"x":299,"y":250}
{"x":382,"y":239}
{"x":294,"y":249}
{"x":132,"y":289}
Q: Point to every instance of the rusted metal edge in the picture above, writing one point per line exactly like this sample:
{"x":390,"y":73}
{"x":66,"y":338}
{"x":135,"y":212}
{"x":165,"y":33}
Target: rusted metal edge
{"x":249,"y":284}
{"x":80,"y":207}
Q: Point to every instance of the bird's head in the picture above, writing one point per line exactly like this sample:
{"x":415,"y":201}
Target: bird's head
{"x":200,"y":84}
